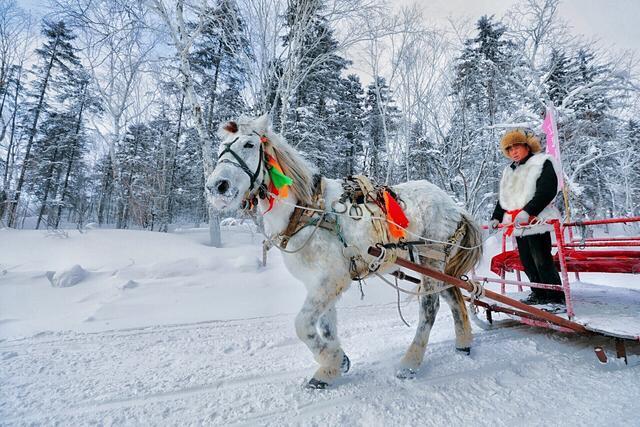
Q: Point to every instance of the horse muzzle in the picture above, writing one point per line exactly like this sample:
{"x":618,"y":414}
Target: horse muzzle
{"x":221,"y":193}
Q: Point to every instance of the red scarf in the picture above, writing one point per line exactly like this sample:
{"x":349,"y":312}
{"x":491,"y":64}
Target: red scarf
{"x":514,"y":213}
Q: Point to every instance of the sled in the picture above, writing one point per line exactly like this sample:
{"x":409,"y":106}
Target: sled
{"x":590,"y":309}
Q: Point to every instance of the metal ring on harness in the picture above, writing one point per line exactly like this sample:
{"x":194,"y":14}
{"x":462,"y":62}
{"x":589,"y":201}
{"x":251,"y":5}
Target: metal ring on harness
{"x":336,"y":203}
{"x":375,"y":264}
{"x":478,"y":289}
{"x":355,"y":212}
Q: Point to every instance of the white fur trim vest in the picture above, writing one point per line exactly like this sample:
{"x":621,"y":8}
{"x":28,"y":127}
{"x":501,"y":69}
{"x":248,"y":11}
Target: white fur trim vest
{"x":517,"y":188}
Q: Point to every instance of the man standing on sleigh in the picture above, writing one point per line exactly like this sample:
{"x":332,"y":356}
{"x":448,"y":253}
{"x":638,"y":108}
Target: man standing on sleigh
{"x":527,"y":189}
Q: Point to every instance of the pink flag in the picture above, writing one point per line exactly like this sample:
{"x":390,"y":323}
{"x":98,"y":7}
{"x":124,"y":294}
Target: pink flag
{"x":553,"y":144}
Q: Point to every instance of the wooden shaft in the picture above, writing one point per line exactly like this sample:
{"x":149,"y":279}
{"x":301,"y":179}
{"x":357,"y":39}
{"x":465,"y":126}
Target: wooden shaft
{"x":541,"y":314}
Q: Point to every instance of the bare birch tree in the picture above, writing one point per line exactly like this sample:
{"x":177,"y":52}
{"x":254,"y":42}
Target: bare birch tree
{"x":182,"y":40}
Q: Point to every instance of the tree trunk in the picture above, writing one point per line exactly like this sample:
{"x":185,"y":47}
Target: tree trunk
{"x":173,"y":167}
{"x":16,"y":198}
{"x":182,"y":40}
{"x":215,"y":234}
{"x":9,"y":164}
{"x":72,"y":157}
{"x":102,"y":203}
{"x":123,"y":210}
{"x":214,"y":88}
{"x":47,"y":187}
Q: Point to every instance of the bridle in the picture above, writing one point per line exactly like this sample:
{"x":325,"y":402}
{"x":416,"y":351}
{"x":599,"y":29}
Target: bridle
{"x":253,"y":176}
{"x":250,"y":199}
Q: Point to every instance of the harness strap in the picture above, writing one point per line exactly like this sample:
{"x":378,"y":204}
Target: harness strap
{"x":294,"y":221}
{"x":301,"y":217}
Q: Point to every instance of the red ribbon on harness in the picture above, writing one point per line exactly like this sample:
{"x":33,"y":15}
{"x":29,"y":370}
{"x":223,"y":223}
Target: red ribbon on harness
{"x":514,"y":213}
{"x":397,"y":221}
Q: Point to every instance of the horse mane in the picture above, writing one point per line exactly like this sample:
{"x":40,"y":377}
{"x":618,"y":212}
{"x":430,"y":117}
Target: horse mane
{"x":292,"y":163}
{"x":295,"y":167}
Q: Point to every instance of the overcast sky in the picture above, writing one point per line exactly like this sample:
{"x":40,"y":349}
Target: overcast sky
{"x":613,"y":22}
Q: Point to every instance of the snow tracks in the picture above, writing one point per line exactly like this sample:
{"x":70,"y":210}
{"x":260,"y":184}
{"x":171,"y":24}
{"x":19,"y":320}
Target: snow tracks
{"x":252,"y":371}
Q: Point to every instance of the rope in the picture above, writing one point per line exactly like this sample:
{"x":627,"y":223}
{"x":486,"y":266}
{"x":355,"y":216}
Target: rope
{"x":535,"y":222}
{"x":306,"y":242}
{"x":417,"y":294}
{"x":418,"y":236}
{"x":398,"y":305}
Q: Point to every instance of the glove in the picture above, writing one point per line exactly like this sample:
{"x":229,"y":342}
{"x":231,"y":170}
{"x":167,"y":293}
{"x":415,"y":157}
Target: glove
{"x":494,"y":224}
{"x":522,"y":218}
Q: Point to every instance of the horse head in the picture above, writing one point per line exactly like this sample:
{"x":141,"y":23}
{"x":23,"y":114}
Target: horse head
{"x":246,"y":145}
{"x":240,"y":170}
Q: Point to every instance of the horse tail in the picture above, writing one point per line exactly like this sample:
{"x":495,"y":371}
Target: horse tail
{"x":464,"y":260}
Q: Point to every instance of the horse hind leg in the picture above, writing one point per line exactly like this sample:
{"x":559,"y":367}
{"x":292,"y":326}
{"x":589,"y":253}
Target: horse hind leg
{"x":462,"y":326}
{"x":321,"y":337}
{"x":429,"y":305}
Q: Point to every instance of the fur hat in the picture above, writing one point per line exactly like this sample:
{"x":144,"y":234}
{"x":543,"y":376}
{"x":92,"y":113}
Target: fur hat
{"x":520,"y":136}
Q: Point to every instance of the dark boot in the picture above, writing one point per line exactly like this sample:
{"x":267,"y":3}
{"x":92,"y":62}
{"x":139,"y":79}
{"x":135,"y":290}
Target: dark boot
{"x":535,"y":298}
{"x":555,"y":297}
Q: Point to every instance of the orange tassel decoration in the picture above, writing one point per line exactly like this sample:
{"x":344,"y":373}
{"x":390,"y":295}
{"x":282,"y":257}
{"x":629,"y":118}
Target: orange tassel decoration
{"x":395,"y":215}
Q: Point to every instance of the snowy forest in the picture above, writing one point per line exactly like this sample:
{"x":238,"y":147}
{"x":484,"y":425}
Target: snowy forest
{"x":109,"y":108}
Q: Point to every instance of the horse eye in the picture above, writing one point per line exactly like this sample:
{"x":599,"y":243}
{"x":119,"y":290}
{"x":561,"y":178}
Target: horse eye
{"x":248,"y":145}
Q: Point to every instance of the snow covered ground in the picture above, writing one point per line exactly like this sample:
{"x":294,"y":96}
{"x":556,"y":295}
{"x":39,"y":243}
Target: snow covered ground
{"x":162,"y":329}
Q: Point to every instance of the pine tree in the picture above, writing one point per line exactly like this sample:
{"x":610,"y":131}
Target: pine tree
{"x":81,"y":102}
{"x":347,"y":125}
{"x":217,"y":62}
{"x":57,"y":54}
{"x":309,"y":122}
{"x":558,"y":81}
{"x":486,"y":92}
{"x":381,"y":120}
{"x":587,"y":132}
{"x":56,"y":132}
{"x":133,"y":156}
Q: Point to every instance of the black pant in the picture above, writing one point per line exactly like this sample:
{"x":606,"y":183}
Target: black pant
{"x":535,"y":254}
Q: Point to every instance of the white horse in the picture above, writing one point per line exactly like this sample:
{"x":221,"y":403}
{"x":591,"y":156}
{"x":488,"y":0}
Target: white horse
{"x":317,"y":255}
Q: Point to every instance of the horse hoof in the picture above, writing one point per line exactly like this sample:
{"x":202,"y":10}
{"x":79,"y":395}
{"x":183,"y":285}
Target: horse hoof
{"x":405,"y":374}
{"x":346,"y":364}
{"x":465,"y":350}
{"x":315,"y":384}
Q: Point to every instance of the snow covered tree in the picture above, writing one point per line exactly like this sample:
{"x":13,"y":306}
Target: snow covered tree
{"x":346,"y":123}
{"x":217,"y":62}
{"x":486,"y":93}
{"x":381,"y":117}
{"x":134,"y":157}
{"x":57,"y":55}
{"x":308,"y":124}
{"x":588,"y":93}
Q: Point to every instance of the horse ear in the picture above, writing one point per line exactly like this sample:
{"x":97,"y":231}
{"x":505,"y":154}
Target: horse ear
{"x":261,"y":124}
{"x":227,"y":129}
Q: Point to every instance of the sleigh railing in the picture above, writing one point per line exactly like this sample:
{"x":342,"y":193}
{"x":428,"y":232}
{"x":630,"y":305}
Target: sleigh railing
{"x":572,"y":256}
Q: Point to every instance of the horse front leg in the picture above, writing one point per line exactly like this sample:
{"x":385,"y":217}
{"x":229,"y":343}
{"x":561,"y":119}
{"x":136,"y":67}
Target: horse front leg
{"x":328,"y":327}
{"x":324,"y":346}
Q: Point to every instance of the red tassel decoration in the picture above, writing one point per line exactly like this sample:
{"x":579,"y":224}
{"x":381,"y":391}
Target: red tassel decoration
{"x":270,"y":197}
{"x":395,"y":215}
